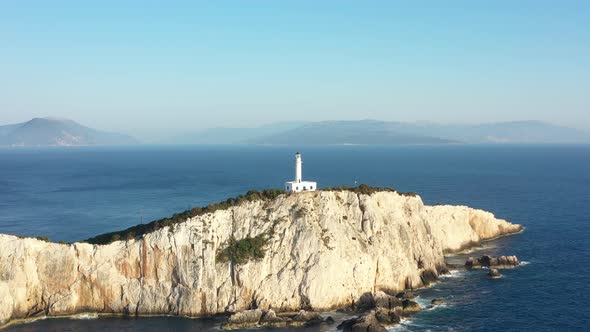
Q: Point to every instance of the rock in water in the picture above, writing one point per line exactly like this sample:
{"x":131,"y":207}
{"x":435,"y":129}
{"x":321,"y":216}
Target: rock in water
{"x":384,"y":300}
{"x":405,"y":295}
{"x":501,"y":262}
{"x":257,"y":317}
{"x":270,"y":318}
{"x":494,"y":274}
{"x":247,"y":318}
{"x":308,"y":318}
{"x":388,"y":317}
{"x":367,"y":322}
{"x":410,"y":307}
{"x":437,"y":302}
{"x":322,"y":250}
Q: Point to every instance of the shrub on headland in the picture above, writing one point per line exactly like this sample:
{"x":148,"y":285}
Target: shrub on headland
{"x":141,"y":229}
{"x":252,"y":195}
{"x":365,"y":189}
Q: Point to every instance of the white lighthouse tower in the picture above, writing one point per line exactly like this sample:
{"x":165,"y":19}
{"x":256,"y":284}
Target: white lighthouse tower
{"x":299,"y":185}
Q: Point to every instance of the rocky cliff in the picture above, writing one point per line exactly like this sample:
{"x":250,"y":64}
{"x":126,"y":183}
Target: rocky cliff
{"x":325,"y":249}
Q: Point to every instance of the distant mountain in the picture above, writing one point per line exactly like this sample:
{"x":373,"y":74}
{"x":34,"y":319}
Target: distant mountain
{"x":364,"y":132}
{"x":232,"y":135}
{"x":501,"y":132}
{"x":373,"y":132}
{"x":58,"y":132}
{"x":64,"y":132}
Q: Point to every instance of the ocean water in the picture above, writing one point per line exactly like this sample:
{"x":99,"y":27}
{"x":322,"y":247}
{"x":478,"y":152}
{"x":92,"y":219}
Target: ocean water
{"x":74,"y":193}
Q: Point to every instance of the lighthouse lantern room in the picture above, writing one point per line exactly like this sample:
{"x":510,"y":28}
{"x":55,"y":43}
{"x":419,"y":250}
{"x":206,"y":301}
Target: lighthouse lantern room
{"x":299,"y":185}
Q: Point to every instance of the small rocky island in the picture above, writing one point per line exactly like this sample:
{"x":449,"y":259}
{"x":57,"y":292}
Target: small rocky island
{"x":273,"y":258}
{"x":487,"y":261}
{"x":493,"y":264}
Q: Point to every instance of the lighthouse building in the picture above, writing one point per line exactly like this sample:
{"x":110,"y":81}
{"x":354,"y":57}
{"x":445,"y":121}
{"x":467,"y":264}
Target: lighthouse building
{"x":299,"y":185}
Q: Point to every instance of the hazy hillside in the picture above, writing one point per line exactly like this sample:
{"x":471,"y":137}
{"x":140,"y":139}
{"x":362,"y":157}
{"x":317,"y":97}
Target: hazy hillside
{"x":500,"y":132}
{"x":384,"y":132}
{"x":64,"y":132}
{"x":58,"y":132}
{"x":231,"y":135}
{"x":366,"y":132}
{"x":374,"y":132}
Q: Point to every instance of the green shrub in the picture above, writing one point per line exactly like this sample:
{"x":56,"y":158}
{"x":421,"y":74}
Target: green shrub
{"x":141,"y":229}
{"x":241,"y":251}
{"x":407,"y":193}
{"x":250,"y":196}
{"x":368,"y":190}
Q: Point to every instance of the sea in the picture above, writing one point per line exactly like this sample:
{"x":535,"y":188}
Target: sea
{"x":74,"y":193}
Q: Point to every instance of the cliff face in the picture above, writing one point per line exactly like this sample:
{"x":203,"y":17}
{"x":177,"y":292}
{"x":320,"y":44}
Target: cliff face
{"x":326,"y":249}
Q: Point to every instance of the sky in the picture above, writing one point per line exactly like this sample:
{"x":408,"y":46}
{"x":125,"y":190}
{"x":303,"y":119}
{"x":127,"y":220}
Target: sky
{"x":141,"y":66}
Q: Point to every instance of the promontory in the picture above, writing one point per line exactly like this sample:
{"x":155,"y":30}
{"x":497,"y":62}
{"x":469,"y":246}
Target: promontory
{"x":313,"y":250}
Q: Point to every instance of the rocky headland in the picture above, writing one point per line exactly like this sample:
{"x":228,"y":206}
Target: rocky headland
{"x":313,"y":251}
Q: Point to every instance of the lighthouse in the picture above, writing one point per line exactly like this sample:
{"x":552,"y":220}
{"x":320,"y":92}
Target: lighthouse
{"x":298,"y":184}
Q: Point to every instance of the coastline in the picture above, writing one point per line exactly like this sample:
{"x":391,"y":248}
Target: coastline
{"x":371,"y":212}
{"x":96,"y":314}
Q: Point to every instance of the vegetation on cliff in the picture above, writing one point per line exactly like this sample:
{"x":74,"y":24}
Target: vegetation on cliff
{"x":141,"y":229}
{"x":368,"y":190}
{"x":241,"y":251}
{"x":250,"y":196}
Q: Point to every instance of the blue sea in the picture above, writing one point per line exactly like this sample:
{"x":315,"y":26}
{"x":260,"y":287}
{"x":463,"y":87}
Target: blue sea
{"x":74,"y":193}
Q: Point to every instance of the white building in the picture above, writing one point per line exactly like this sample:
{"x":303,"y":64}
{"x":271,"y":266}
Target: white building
{"x":299,"y":185}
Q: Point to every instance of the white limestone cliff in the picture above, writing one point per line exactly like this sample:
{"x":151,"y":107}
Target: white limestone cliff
{"x":326,"y":250}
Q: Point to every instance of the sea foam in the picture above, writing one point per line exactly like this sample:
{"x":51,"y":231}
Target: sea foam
{"x":85,"y":316}
{"x":453,"y":274}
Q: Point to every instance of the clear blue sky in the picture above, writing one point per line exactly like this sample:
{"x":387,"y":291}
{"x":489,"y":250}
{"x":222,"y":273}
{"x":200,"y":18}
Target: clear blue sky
{"x":137,"y":65}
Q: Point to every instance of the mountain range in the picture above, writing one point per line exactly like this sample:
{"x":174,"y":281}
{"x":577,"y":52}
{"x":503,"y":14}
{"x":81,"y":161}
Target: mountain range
{"x":374,"y":132}
{"x":64,"y":132}
{"x":58,"y":132}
